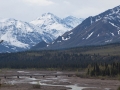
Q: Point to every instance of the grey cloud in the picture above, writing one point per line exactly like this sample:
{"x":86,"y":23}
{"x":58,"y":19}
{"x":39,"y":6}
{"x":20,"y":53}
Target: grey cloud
{"x":21,"y":10}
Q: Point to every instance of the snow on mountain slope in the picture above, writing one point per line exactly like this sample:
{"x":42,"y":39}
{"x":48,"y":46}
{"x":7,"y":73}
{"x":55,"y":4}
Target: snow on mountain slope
{"x":18,"y":35}
{"x":72,"y":21}
{"x":55,"y":25}
{"x":109,"y":15}
{"x":94,"y":30}
{"x":21,"y":34}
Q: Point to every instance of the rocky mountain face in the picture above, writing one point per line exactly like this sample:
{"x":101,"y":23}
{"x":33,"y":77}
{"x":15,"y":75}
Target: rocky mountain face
{"x":97,"y":30}
{"x":18,"y":35}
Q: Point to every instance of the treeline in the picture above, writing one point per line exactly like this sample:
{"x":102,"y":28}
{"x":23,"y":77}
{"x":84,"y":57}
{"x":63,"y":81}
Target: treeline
{"x":104,"y":69}
{"x":44,"y":60}
{"x":52,"y":59}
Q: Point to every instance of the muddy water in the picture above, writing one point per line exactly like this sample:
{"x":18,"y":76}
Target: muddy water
{"x":38,"y":81}
{"x":73,"y":87}
{"x":48,"y":81}
{"x":61,"y":81}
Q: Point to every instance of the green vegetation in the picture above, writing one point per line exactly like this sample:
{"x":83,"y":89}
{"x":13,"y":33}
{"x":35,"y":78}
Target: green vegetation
{"x":100,"y":69}
{"x":118,"y":88}
{"x":110,"y":49}
{"x":101,"y":58}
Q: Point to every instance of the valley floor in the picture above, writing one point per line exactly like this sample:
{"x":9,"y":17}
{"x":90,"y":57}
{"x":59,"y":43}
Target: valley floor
{"x":52,"y":82}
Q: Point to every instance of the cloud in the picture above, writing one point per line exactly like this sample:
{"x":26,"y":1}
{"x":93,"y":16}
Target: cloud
{"x":67,"y":3}
{"x":39,"y":2}
{"x":88,"y":11}
{"x":28,"y":10}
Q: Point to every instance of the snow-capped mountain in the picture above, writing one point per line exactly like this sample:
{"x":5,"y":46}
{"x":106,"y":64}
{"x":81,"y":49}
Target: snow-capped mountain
{"x":55,"y":25}
{"x":94,"y":30}
{"x":72,"y":21}
{"x":19,"y":35}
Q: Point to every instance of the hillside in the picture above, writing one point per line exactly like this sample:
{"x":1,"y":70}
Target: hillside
{"x":101,"y":29}
{"x":79,"y":57}
{"x":19,"y":35}
{"x":109,"y":49}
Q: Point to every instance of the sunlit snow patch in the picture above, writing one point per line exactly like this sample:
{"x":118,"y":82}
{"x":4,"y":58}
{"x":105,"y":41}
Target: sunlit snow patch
{"x":90,"y":35}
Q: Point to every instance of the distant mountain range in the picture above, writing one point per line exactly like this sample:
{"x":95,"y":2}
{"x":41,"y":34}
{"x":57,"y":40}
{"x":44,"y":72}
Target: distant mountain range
{"x":55,"y":25}
{"x":18,"y":35}
{"x":97,"y":30}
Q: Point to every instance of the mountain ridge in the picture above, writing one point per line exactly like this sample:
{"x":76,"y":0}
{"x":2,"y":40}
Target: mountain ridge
{"x":55,"y":25}
{"x":95,"y":30}
{"x":19,"y":35}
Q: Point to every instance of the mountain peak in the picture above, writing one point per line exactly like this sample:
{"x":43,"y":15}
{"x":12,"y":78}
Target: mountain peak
{"x":94,"y":30}
{"x":55,"y":25}
{"x":19,"y":35}
{"x":70,"y":17}
{"x":46,"y":19}
{"x":7,"y":19}
{"x":48,"y":16}
{"x":72,"y":21}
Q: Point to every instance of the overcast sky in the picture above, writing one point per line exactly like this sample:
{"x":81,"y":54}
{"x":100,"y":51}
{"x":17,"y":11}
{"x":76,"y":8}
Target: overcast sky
{"x":28,"y":10}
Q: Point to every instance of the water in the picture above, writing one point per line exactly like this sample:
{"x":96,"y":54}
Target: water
{"x":107,"y":88}
{"x":73,"y":87}
{"x":44,"y":81}
{"x":38,"y":81}
{"x":22,"y":72}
